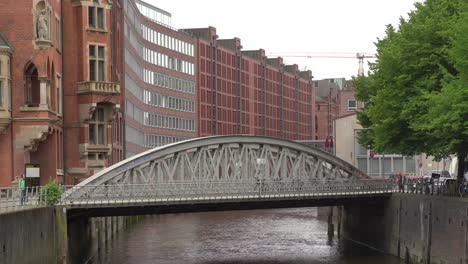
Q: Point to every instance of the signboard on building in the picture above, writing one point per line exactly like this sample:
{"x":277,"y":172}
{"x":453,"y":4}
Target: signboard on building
{"x":32,"y":170}
{"x":33,"y":174}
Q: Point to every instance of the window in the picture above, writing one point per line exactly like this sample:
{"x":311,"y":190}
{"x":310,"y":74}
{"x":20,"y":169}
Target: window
{"x":96,"y":63}
{"x":96,"y":17}
{"x":32,"y":88}
{"x":96,"y":128}
{"x":59,"y":95}
{"x":58,"y":35}
{"x":352,"y":105}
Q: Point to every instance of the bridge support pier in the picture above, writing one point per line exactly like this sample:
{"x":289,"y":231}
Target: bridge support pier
{"x":331,"y":229}
{"x":90,"y":236}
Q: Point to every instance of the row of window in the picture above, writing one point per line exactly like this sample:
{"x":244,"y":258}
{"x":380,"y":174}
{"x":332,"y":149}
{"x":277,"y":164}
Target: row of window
{"x":154,"y":14}
{"x":166,"y":61}
{"x":166,"y":81}
{"x":158,"y":120}
{"x":167,"y":41}
{"x":156,"y":140}
{"x":165,"y":101}
{"x":132,"y":63}
{"x":169,"y":122}
{"x":157,"y":58}
{"x":133,"y":135}
{"x":149,"y":140}
{"x":132,"y":38}
{"x":132,"y":14}
{"x":132,"y":86}
{"x":157,"y":99}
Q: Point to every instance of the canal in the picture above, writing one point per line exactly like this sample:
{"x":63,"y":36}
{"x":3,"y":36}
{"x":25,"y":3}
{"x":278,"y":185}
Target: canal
{"x":276,"y":236}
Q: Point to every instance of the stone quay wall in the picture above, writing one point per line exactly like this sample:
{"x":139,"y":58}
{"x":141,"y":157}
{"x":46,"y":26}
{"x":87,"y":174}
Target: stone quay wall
{"x":418,"y":228}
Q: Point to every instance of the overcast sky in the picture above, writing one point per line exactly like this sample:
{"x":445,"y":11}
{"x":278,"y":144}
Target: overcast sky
{"x":295,"y":26}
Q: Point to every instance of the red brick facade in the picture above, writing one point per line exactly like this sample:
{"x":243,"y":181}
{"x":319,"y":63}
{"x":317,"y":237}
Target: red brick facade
{"x":34,"y":133}
{"x":48,"y":98}
{"x":243,"y":92}
{"x":92,"y":92}
{"x":70,"y":70}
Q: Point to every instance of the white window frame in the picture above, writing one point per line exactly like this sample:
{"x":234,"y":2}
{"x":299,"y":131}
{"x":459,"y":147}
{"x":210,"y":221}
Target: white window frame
{"x":352,"y":108}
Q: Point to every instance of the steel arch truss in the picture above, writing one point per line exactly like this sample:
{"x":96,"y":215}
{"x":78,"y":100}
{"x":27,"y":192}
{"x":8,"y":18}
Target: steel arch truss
{"x":225,"y":162}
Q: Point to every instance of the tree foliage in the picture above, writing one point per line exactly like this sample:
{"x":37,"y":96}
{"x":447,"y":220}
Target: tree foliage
{"x":51,"y":193}
{"x":416,"y":93}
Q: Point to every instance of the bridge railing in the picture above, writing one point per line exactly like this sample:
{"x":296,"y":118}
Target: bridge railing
{"x":12,"y":198}
{"x":218,"y":190}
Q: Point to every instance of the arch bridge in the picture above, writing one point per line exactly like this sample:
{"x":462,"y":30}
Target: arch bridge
{"x":223,"y":170}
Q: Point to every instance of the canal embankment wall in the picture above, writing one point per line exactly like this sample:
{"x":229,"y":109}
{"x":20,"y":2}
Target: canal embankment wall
{"x":418,"y":228}
{"x":31,"y":236}
{"x":46,"y":235}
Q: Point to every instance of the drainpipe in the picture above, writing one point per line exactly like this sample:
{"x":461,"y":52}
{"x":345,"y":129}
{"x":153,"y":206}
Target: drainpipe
{"x":64,"y":171}
{"x":11,"y":124}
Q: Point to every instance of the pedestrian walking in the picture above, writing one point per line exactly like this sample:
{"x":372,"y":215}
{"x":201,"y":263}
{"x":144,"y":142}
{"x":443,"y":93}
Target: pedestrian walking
{"x":22,"y":188}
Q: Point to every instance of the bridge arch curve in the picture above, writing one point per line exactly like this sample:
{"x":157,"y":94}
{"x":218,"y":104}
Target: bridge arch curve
{"x":227,"y":158}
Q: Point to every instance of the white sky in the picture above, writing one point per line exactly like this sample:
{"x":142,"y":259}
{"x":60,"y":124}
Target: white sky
{"x":295,"y":26}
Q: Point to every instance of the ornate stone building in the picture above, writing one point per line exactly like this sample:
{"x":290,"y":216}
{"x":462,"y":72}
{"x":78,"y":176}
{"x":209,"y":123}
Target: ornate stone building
{"x":31,"y":72}
{"x":93,"y":70}
{"x":59,"y":88}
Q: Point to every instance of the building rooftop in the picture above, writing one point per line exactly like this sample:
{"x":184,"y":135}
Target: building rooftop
{"x":155,"y":14}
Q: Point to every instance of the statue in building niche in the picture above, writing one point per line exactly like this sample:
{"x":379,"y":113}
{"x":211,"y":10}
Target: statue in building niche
{"x":42,"y":26}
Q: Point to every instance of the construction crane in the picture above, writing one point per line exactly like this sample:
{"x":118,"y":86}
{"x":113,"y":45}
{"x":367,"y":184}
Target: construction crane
{"x":360,"y":57}
{"x":337,"y":55}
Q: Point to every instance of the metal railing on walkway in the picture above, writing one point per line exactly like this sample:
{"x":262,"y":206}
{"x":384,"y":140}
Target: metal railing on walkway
{"x":213,"y":191}
{"x":444,"y":187}
{"x":12,"y":198}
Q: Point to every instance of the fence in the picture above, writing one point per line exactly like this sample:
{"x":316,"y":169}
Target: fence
{"x":11,"y":198}
{"x":443,"y":187}
{"x":219,"y":190}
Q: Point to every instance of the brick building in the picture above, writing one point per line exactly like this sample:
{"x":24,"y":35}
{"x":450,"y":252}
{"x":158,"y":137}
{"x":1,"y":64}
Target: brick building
{"x":347,"y":101}
{"x":244,"y":92}
{"x":59,"y":82}
{"x":31,"y":68}
{"x":327,"y":107}
{"x":160,"y":97}
{"x":69,"y":71}
{"x":93,"y":73}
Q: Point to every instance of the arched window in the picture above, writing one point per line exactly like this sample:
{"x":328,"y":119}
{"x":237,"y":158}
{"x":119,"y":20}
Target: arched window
{"x":32,"y":89}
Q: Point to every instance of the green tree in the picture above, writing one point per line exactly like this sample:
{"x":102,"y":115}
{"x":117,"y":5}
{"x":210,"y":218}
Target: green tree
{"x":417,"y":90}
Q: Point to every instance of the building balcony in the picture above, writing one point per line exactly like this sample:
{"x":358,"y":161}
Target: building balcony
{"x":91,"y":149}
{"x":98,"y":87}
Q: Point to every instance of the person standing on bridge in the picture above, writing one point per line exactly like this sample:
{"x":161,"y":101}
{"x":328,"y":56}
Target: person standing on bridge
{"x":400,"y":182}
{"x":22,"y":188}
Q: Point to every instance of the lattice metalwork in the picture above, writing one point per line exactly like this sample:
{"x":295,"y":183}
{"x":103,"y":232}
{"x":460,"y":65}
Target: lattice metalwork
{"x":225,"y":162}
